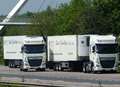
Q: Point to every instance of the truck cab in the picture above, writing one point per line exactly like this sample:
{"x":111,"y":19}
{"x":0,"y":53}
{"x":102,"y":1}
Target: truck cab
{"x":34,"y":55}
{"x":103,"y":53}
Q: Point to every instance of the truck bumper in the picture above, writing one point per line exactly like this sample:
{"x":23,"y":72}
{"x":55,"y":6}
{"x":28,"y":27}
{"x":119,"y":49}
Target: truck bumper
{"x":43,"y":66}
{"x":105,"y":69}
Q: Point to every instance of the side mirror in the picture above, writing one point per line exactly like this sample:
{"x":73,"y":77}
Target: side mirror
{"x":22,"y":49}
{"x":93,"y":49}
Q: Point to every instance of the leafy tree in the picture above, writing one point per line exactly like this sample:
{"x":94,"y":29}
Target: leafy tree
{"x":62,"y":20}
{"x":109,"y":16}
{"x":77,"y":17}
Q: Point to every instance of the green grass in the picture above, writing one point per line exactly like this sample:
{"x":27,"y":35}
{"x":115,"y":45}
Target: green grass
{"x":2,"y":85}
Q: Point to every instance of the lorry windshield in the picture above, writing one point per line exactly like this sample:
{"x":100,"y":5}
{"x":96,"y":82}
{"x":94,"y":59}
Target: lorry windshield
{"x":34,"y":48}
{"x":106,"y":48}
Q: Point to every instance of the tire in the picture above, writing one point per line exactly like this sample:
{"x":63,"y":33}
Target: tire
{"x":56,"y":67}
{"x":87,"y":68}
{"x":21,"y":69}
{"x":114,"y":71}
{"x":24,"y":70}
{"x":12,"y":66}
{"x":9,"y":65}
{"x":60,"y":68}
{"x":39,"y":69}
{"x":92,"y":69}
{"x":84,"y":68}
{"x":43,"y":69}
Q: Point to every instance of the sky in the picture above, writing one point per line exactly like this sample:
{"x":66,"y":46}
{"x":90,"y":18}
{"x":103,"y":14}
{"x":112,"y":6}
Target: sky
{"x":32,"y":5}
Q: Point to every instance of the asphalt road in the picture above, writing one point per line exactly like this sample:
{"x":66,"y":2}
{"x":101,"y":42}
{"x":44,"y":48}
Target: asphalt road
{"x":106,"y":78}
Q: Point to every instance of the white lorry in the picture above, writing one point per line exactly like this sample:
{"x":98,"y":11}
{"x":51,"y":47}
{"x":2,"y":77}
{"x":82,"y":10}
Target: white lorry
{"x":62,"y":52}
{"x":29,"y":51}
{"x":12,"y":50}
{"x":87,"y":53}
{"x":103,"y":54}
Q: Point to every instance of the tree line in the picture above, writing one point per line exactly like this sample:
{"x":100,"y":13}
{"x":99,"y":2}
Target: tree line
{"x":76,"y":17}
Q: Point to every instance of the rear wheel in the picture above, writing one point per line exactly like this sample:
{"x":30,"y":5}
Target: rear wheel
{"x":60,"y":67}
{"x":87,"y":67}
{"x":84,"y":67}
{"x":56,"y":67}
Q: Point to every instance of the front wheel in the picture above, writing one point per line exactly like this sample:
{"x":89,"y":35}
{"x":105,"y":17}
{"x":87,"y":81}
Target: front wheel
{"x":24,"y":70}
{"x":40,"y":69}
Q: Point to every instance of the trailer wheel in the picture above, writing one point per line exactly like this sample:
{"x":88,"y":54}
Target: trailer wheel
{"x":55,"y":68}
{"x":87,"y":68}
{"x":60,"y":67}
{"x":11,"y":65}
{"x":84,"y":67}
{"x":21,"y":66}
{"x":92,"y":70}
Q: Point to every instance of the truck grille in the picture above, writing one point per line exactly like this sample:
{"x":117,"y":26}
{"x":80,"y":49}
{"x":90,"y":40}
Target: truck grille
{"x":107,"y":63}
{"x":35,"y":62}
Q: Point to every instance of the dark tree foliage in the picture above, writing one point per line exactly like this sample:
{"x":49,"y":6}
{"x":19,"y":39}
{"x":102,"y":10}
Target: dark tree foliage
{"x":63,"y":20}
{"x":109,"y":16}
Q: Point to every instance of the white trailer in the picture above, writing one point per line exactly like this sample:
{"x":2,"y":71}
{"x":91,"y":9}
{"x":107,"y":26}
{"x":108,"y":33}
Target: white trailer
{"x":83,"y":52}
{"x":63,"y":52}
{"x":12,"y":50}
{"x":28,"y":52}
